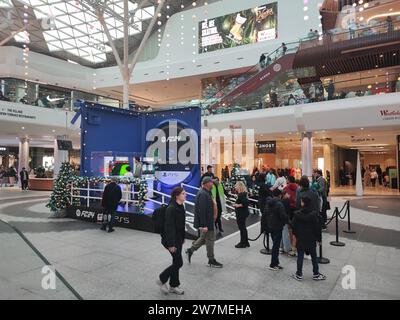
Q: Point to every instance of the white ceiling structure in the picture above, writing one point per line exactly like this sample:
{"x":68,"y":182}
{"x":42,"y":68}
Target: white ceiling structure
{"x":69,"y":26}
{"x":70,"y":29}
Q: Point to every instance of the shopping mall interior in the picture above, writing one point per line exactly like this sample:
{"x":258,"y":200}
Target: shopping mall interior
{"x":158,"y":94}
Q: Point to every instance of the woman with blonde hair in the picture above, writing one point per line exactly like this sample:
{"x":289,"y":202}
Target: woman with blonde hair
{"x":242,"y":212}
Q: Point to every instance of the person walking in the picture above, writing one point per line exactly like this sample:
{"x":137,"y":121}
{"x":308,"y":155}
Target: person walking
{"x":218,"y":194}
{"x":276,"y":220}
{"x":24,"y":177}
{"x":242,"y":212}
{"x":306,"y":228}
{"x":374,"y":177}
{"x":208,"y":173}
{"x":111,"y":197}
{"x":284,"y":48}
{"x":204,"y":221}
{"x":172,"y":239}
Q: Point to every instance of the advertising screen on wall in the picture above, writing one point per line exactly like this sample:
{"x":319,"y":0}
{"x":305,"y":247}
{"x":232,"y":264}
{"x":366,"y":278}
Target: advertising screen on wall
{"x":250,"y":26}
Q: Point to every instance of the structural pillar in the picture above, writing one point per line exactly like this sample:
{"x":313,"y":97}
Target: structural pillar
{"x":23,"y":155}
{"x":307,"y":154}
{"x":359,"y":184}
{"x":60,"y":156}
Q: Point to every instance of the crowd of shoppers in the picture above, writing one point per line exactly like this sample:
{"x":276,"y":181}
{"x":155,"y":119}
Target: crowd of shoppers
{"x":294,"y":211}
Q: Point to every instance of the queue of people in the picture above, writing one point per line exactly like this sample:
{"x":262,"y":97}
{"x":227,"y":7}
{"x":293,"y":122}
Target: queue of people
{"x":293,"y":211}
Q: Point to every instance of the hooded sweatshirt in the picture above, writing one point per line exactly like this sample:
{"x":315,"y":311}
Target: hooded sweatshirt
{"x":291,"y":189}
{"x":306,"y":228}
{"x":276,"y":214}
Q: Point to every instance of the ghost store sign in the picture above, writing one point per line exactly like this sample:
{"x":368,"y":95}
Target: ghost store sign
{"x":175,"y":150}
{"x":266,"y":147}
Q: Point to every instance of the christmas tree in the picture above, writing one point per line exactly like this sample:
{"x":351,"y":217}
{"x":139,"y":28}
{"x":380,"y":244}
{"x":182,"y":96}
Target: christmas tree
{"x":60,"y":196}
{"x":235,"y":177}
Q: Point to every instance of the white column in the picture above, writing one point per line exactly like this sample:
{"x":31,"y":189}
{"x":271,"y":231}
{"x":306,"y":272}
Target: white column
{"x":60,"y":156}
{"x":359,"y":184}
{"x":307,"y":153}
{"x":23,"y":155}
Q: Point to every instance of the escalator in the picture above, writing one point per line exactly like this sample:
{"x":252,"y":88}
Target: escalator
{"x":278,"y":65}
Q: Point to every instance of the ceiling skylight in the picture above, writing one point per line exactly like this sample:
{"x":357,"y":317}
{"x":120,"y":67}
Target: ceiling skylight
{"x":69,"y":26}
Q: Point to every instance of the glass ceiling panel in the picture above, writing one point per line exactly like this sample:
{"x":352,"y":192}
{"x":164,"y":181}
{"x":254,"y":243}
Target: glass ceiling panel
{"x":74,"y":21}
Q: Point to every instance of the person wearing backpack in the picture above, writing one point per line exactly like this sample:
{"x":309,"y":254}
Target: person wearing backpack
{"x":172,"y":238}
{"x":111,"y":197}
{"x":307,"y":230}
{"x":276,"y":219}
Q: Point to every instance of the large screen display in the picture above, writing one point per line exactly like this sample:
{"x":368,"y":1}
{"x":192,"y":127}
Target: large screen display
{"x":245,"y":27}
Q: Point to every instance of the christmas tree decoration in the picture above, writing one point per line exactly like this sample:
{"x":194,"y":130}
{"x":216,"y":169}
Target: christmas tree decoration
{"x":60,"y":197}
{"x":234,"y":178}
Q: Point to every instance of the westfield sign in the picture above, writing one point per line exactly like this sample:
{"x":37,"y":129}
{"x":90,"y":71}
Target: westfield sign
{"x":387,"y":113}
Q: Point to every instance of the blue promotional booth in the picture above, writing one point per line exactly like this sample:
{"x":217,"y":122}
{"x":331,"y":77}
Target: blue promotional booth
{"x":166,"y":142}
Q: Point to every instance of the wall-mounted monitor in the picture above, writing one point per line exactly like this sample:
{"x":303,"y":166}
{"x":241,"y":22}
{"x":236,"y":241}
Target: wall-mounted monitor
{"x":249,"y":26}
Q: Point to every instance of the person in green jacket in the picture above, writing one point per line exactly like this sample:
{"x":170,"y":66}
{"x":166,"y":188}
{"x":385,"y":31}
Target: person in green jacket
{"x":218,"y":194}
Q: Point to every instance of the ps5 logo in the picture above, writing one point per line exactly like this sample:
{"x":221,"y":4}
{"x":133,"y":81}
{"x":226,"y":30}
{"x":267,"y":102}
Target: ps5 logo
{"x":171,"y":139}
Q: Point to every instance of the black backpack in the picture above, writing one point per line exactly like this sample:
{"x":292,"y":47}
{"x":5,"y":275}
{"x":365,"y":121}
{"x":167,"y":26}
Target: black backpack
{"x":159,"y":219}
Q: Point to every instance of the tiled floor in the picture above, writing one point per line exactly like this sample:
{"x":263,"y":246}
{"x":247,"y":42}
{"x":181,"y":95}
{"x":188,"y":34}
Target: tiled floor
{"x":125,"y":264}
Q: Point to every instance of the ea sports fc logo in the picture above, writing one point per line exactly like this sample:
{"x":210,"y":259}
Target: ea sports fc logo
{"x":277,"y":67}
{"x":78,"y":213}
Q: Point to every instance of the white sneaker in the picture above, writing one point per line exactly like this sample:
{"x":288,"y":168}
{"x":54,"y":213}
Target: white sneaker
{"x":176,"y":290}
{"x":163,"y":287}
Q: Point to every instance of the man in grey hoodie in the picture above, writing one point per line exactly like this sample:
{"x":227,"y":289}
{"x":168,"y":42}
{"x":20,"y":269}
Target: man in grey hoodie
{"x":204,"y":221}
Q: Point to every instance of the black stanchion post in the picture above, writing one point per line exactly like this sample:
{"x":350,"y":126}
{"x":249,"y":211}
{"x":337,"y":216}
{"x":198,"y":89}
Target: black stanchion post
{"x":266,"y":250}
{"x":348,"y":219}
{"x":321,"y":259}
{"x":337,"y":243}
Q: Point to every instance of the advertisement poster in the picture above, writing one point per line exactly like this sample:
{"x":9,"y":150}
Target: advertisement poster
{"x":240,"y":28}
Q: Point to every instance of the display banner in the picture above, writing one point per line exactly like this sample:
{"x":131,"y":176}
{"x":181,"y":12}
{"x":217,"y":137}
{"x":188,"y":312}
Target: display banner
{"x":249,"y":26}
{"x":266,"y":147}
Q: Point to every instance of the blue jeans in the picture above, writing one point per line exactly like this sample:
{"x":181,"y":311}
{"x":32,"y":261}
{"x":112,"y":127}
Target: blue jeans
{"x":300,"y":259}
{"x":276,"y":239}
{"x":286,"y":244}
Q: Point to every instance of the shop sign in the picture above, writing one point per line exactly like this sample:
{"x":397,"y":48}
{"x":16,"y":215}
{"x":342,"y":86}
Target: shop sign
{"x":266,"y":147}
{"x":388,"y":115}
{"x":13,"y":112}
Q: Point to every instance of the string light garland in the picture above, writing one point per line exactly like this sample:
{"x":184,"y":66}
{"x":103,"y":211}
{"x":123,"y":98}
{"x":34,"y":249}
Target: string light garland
{"x":25,"y":51}
{"x":61,"y":195}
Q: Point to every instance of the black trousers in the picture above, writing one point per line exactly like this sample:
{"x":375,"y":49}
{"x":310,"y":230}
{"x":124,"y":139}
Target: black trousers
{"x":172,"y":272}
{"x":24,"y":184}
{"x":109,"y":218}
{"x":218,"y":222}
{"x":276,"y":239}
{"x":241,"y":222}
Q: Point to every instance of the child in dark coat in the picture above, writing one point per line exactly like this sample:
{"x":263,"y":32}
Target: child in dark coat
{"x":307,"y":230}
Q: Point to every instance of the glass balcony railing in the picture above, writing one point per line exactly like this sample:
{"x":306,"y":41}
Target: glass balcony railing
{"x":354,"y":32}
{"x":291,"y":93}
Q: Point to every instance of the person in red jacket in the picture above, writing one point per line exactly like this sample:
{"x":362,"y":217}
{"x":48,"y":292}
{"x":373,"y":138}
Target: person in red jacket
{"x":290,"y":192}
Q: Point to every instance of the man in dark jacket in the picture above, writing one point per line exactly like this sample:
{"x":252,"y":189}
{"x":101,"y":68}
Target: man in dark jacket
{"x":276,"y":220}
{"x":111,"y":197}
{"x":24,"y":177}
{"x":307,"y":230}
{"x":204,"y":221}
